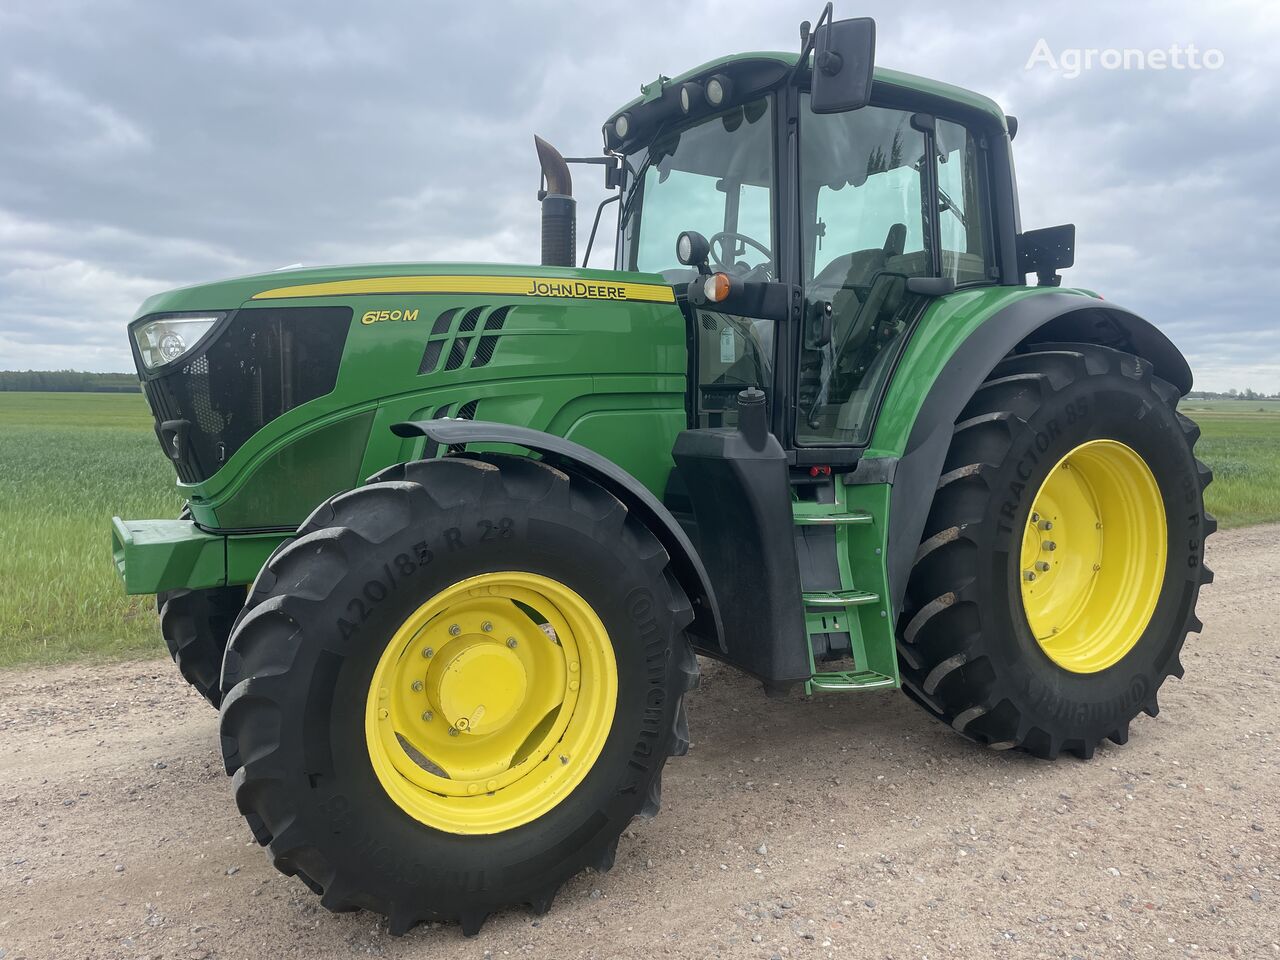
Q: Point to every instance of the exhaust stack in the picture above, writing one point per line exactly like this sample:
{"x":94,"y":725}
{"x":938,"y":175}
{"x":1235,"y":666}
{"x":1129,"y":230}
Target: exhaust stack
{"x":559,"y":209}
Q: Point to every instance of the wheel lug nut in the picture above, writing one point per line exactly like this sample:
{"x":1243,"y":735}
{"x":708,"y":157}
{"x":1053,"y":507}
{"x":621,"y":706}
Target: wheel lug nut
{"x":417,"y":686}
{"x":454,"y":630}
{"x":1046,"y":524}
{"x":1049,"y":545}
{"x":1042,"y":566}
{"x":428,"y":652}
{"x":486,"y":626}
{"x":427,"y":715}
{"x":511,"y":642}
{"x":1028,"y":575}
{"x":453,"y":731}
{"x":1035,"y":517}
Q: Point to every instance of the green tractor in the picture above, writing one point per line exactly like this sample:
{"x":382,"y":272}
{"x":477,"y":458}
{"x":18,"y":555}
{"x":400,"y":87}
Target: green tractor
{"x":457,"y":533}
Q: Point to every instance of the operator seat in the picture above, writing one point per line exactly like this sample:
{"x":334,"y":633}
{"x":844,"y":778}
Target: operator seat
{"x":846,"y":303}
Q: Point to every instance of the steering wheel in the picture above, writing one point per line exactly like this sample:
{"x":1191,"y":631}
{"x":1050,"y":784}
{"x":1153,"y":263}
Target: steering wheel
{"x":717,"y":244}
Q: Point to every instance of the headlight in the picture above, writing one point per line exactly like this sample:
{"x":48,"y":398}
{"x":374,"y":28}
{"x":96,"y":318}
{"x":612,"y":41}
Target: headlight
{"x":165,"y":339}
{"x":690,"y":95}
{"x":718,"y":89}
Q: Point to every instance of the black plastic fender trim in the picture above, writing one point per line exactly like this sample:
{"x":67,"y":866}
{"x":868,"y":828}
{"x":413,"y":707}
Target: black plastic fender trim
{"x":575,"y":458}
{"x":1045,"y":318}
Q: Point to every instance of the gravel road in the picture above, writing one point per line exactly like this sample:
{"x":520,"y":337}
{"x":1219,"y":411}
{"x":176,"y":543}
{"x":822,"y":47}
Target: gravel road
{"x":838,"y":826}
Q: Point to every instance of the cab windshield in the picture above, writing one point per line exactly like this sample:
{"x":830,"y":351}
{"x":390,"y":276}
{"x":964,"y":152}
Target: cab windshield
{"x":715,"y":177}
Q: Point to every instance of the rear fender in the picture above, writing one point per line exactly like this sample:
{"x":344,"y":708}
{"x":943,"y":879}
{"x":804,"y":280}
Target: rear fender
{"x":577,"y":459}
{"x":1028,"y":317}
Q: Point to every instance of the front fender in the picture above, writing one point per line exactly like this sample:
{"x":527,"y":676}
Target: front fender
{"x":959,"y":342}
{"x":575,"y":458}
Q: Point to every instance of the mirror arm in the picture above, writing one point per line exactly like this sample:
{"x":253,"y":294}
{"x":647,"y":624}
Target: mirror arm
{"x":596,"y":223}
{"x":807,"y":40}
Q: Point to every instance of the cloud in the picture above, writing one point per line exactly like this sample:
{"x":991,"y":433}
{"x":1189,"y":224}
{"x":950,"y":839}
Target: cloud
{"x":148,"y":146}
{"x":76,"y":123}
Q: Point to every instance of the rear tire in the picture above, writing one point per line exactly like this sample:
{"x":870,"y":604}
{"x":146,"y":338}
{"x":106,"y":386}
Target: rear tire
{"x":967,"y":652}
{"x":305,"y":664}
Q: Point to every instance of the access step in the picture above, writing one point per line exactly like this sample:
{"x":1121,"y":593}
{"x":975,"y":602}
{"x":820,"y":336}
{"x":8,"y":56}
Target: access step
{"x":850,"y":680}
{"x":832,"y":519}
{"x":839,"y":598}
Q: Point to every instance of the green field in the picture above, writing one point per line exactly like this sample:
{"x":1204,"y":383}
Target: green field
{"x":68,"y":461}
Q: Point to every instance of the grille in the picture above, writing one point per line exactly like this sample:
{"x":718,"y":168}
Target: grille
{"x":442,"y":322}
{"x":489,"y":343}
{"x":430,"y":357}
{"x":457,"y":353}
{"x":261,"y":364}
{"x":481,"y":324}
{"x":465,"y":412}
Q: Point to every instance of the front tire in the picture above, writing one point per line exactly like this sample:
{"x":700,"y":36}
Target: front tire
{"x":196,"y":625}
{"x":1016,"y":639}
{"x":368,"y":642}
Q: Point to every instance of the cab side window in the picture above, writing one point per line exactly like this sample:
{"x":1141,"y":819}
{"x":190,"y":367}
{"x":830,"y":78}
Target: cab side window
{"x":961,"y":209}
{"x":865,"y":184}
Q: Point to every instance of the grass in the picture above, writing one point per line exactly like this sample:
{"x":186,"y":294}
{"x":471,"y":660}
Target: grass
{"x":1240,"y":441}
{"x":69,"y":461}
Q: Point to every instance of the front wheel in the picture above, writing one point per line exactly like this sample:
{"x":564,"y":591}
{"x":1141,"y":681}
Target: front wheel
{"x":196,"y":625}
{"x":455,"y":688}
{"x":1062,"y":557}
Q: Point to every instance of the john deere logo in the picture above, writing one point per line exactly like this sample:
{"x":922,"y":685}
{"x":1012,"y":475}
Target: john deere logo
{"x":577,"y":288}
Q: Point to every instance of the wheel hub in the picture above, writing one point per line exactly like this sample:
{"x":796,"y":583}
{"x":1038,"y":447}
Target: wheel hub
{"x":1093,"y":556}
{"x":477,"y":685}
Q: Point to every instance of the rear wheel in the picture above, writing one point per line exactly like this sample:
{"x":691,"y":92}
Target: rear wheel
{"x":1062,"y":557}
{"x":455,"y":688}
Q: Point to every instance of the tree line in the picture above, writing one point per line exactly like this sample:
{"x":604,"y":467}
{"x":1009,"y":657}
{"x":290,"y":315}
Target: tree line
{"x":67,"y":381}
{"x":1232,"y":394}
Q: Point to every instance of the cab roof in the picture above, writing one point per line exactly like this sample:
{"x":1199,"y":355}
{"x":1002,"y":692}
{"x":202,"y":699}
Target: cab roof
{"x":882,"y":75}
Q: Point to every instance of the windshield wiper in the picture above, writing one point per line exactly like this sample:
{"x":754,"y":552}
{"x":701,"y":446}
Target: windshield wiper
{"x":948,"y":204}
{"x":625,"y":213}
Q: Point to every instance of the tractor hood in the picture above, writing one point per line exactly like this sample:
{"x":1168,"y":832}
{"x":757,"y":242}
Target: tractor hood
{"x":410,"y":278}
{"x":251,"y":377}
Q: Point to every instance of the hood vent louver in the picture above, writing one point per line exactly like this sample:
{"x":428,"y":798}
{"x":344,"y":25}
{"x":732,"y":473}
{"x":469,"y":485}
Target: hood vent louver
{"x":454,"y":346}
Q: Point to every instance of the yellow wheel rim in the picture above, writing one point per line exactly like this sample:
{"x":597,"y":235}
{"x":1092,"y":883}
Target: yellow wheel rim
{"x":1093,"y":556}
{"x":491,"y":703}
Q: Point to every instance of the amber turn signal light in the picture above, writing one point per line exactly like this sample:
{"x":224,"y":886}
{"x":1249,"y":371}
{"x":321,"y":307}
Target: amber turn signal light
{"x":716,"y":287}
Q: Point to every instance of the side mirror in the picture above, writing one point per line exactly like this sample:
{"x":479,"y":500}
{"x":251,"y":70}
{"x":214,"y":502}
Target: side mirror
{"x":844,"y":57}
{"x":1046,"y":251}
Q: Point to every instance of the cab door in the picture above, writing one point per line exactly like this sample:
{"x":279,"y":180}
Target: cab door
{"x":886,"y":195}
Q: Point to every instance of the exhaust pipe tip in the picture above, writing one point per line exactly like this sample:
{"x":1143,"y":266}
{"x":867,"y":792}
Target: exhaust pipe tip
{"x":554,"y":169}
{"x":559,"y":209}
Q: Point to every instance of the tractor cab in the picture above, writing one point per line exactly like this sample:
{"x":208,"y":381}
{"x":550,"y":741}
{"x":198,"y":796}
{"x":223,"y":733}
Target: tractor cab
{"x":831,"y":224}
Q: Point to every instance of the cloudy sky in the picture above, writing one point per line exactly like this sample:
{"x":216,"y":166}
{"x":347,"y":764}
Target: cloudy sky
{"x":146,"y":145}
